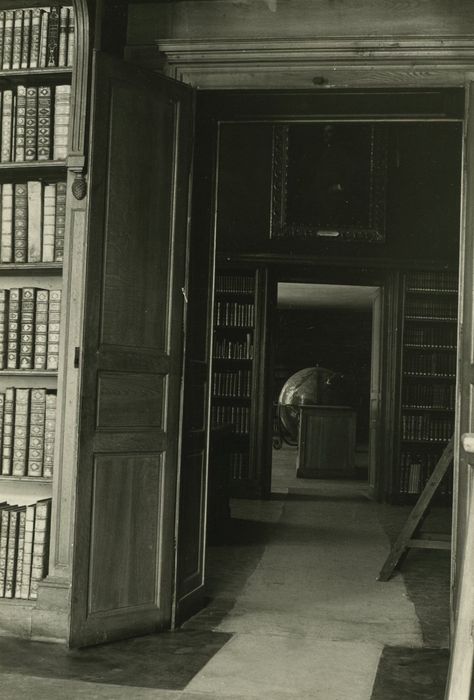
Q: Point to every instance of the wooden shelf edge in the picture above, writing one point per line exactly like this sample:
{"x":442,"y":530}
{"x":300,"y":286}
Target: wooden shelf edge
{"x":441,"y":292}
{"x":450,"y":377}
{"x":31,"y":267}
{"x":434,"y":443}
{"x":232,"y":359}
{"x":34,"y":165}
{"x":28,"y":373}
{"x":444,"y":348}
{"x":31,"y":479}
{"x":18,"y":602}
{"x":50,"y":71}
{"x":431,"y":319}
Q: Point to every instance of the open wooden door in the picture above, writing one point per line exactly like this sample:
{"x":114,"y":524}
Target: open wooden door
{"x":375,"y":392}
{"x":462,"y":594}
{"x":132,"y":355}
{"x":193,"y":482}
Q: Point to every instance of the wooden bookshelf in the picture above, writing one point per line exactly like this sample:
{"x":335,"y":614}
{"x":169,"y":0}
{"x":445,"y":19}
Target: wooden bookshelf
{"x":428,"y":377}
{"x":33,"y":175}
{"x":235,"y":347}
{"x":233,"y":366}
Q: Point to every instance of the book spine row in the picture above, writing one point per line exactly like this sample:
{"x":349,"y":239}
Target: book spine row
{"x":426,"y":428}
{"x":32,"y":222}
{"x":431,"y":364}
{"x":28,"y":419}
{"x":231,"y":384}
{"x":29,"y":328}
{"x":433,"y":281}
{"x":429,"y":309}
{"x":416,"y":469}
{"x":434,"y":337}
{"x":225,"y":349}
{"x":239,"y":465}
{"x":234,"y":314}
{"x":237,"y":416}
{"x":428,"y":395}
{"x":24,"y":548}
{"x":235,"y":284}
{"x":34,"y":123}
{"x":40,"y":37}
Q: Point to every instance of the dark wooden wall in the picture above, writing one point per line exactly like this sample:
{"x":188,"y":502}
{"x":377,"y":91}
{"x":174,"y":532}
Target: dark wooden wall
{"x":423,"y":195}
{"x":210,"y":19}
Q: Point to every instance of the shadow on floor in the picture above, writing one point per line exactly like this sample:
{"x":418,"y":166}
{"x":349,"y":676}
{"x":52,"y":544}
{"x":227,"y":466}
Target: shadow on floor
{"x":426,"y":572}
{"x":168,"y":660}
{"x":411,"y":674}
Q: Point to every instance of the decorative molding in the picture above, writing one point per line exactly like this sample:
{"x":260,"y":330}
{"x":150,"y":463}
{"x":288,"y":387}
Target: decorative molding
{"x":386,"y":60}
{"x":79,"y":186}
{"x":279,"y":178}
{"x":80,"y":85}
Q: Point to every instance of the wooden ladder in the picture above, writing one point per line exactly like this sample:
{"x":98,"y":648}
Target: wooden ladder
{"x":411,"y":536}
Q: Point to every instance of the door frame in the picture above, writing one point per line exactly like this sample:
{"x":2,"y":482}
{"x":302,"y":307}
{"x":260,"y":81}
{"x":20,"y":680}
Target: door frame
{"x":350,"y":277}
{"x":384,"y":62}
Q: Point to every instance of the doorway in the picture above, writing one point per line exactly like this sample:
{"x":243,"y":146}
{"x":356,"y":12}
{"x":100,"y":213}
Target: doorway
{"x":329,"y":333}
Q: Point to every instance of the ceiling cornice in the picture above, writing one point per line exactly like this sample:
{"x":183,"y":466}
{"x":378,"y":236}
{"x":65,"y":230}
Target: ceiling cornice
{"x":338,"y":61}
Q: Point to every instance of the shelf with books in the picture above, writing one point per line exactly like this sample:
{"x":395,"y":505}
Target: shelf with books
{"x":430,"y":409}
{"x":432,"y":281}
{"x":37,"y":37}
{"x":33,"y":223}
{"x":428,"y":375}
{"x":34,"y":124}
{"x":36,"y":56}
{"x":233,"y":373}
{"x":432,"y":292}
{"x":431,"y":319}
{"x":24,"y":548}
{"x":427,"y":348}
{"x":416,"y":468}
{"x":434,"y":441}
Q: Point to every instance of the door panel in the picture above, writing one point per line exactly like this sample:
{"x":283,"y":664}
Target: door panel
{"x":132,"y":355}
{"x":190,"y":562}
{"x":124,"y":576}
{"x":462,"y":560}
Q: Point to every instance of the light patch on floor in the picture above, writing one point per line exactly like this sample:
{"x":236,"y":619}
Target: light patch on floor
{"x":312,"y":620}
{"x":277,"y":668}
{"x":318,"y":577}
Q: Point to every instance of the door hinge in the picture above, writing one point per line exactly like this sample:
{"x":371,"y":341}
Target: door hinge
{"x":77,"y":356}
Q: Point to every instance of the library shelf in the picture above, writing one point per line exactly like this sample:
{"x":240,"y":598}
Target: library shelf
{"x":427,"y":377}
{"x":420,"y":375}
{"x":234,"y":352}
{"x":33,"y":189}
